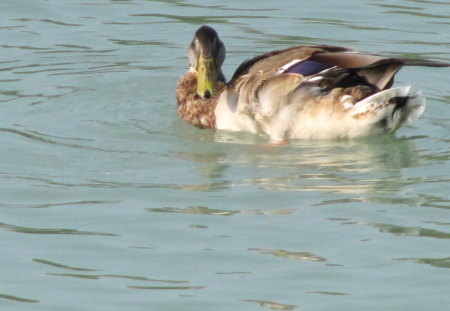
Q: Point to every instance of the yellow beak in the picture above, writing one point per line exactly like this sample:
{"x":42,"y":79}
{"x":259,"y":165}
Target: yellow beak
{"x":206,"y":77}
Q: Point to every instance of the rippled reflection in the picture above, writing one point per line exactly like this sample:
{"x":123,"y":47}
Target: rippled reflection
{"x":329,"y":293}
{"x":203,"y":210}
{"x":29,"y":230}
{"x":61,"y":266}
{"x":18,"y":299}
{"x":49,"y":205}
{"x":435,"y":262}
{"x":338,"y":167}
{"x":400,"y":230}
{"x":167,"y":287}
{"x":272,"y":305}
{"x":356,"y":156}
{"x":61,"y":181}
{"x":410,"y":231}
{"x":193,"y":210}
{"x":44,"y":138}
{"x":91,"y":276}
{"x":290,"y":255}
{"x":232,"y":273}
{"x":115,"y":276}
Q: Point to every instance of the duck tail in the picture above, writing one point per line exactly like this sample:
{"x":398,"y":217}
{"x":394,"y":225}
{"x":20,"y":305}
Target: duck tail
{"x":390,"y":109}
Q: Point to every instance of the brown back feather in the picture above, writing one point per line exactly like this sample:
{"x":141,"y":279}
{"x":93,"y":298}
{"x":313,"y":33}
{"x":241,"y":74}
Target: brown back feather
{"x":278,"y":58}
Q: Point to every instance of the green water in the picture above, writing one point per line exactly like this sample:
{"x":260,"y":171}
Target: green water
{"x":109,"y":202}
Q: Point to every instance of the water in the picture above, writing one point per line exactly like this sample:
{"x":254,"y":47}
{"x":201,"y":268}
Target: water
{"x":109,"y":202}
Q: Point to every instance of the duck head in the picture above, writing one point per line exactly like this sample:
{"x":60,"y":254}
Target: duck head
{"x":206,"y":56}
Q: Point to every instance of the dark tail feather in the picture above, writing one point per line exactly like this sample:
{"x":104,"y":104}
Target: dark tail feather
{"x":381,"y":73}
{"x":423,"y":62}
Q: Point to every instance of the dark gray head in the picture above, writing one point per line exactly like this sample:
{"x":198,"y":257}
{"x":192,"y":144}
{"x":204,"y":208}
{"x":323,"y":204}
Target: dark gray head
{"x":206,"y":56}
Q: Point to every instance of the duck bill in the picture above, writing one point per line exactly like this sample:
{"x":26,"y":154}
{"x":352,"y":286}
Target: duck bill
{"x":206,"y":77}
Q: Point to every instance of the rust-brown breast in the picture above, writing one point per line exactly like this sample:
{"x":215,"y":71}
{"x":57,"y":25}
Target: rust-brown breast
{"x":191,"y":107}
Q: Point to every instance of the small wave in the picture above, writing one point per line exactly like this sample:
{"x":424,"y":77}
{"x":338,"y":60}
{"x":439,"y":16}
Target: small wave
{"x":30,"y":230}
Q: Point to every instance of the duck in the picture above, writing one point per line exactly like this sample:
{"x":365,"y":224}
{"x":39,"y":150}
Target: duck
{"x":301,"y":92}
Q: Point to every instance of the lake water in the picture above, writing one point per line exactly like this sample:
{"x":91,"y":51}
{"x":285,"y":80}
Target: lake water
{"x":108,"y":201}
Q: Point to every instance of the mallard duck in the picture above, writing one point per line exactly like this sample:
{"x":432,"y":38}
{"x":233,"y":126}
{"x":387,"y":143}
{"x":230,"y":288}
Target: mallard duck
{"x":302,"y":92}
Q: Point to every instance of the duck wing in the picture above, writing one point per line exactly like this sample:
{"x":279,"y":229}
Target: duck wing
{"x":377,"y":69}
{"x":278,"y":58}
{"x":267,"y":78}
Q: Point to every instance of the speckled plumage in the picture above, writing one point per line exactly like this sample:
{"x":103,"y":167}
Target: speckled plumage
{"x":191,"y":107}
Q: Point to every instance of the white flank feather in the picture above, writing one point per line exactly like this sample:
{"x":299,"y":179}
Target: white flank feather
{"x":379,"y":99}
{"x":378,"y":107}
{"x":297,"y":119}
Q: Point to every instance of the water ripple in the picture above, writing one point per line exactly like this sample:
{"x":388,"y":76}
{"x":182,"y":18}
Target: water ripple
{"x":63,"y":141}
{"x":29,"y":230}
{"x":190,"y":287}
{"x":410,"y":231}
{"x":140,"y":42}
{"x":402,"y":230}
{"x":214,"y":7}
{"x":84,"y":52}
{"x":435,"y":262}
{"x":101,"y":276}
{"x":48,"y":205}
{"x":45,"y":138}
{"x":23,"y":47}
{"x":52,"y":181}
{"x":203,"y":210}
{"x":61,"y":266}
{"x":328,"y":293}
{"x":271,"y":304}
{"x":397,"y":12}
{"x":198,"y":20}
{"x":18,"y":299}
{"x":290,"y":255}
{"x":60,"y":23}
{"x":115,"y":276}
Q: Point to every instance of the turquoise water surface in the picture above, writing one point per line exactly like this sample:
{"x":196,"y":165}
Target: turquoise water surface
{"x":108,"y":201}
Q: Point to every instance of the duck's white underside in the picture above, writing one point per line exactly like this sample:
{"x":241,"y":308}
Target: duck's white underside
{"x":300,"y":120}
